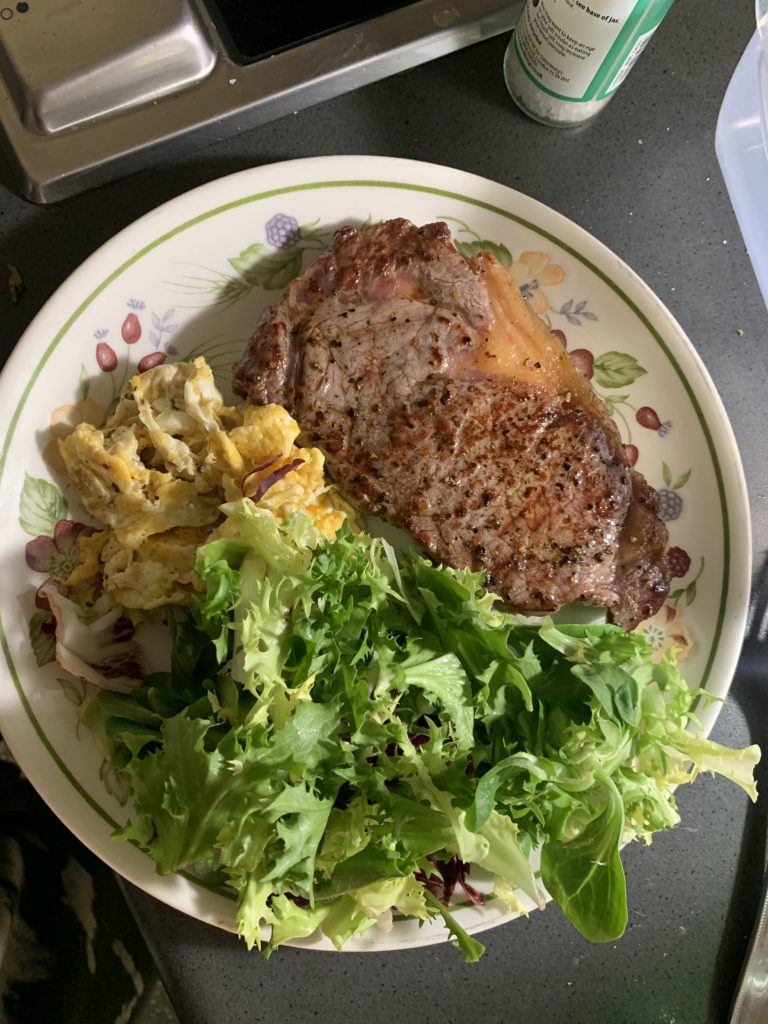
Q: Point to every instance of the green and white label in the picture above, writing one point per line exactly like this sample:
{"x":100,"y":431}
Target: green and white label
{"x":637,"y":48}
{"x":579,"y":50}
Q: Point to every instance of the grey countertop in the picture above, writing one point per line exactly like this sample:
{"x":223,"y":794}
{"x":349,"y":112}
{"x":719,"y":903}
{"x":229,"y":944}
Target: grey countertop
{"x":644,"y":179}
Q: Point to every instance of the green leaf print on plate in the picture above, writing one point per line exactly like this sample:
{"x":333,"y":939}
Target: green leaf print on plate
{"x":41,"y":506}
{"x":43,"y":642}
{"x":616,"y":370}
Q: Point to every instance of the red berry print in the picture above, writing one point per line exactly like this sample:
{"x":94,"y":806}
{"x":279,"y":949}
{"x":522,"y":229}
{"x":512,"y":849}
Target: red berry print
{"x":632,"y":453}
{"x":131,"y":329}
{"x":153,"y":359}
{"x":648,"y":417}
{"x":679,"y":562}
{"x":105,"y":357}
{"x":584,"y":361}
{"x":560,"y":335}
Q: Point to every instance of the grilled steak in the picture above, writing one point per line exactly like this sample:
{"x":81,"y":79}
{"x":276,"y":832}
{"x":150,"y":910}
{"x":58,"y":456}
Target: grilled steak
{"x":444,"y":405}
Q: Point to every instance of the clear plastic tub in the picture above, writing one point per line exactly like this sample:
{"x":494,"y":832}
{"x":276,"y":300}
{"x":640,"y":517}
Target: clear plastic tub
{"x":741,"y":143}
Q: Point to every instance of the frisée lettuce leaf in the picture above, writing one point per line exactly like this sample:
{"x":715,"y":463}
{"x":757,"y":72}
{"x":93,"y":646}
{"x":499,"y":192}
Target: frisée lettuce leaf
{"x":344,"y":733}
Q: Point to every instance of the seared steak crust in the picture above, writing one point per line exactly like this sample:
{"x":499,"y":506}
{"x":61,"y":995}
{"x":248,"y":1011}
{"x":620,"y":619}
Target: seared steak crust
{"x":385,"y":289}
{"x":383,"y":351}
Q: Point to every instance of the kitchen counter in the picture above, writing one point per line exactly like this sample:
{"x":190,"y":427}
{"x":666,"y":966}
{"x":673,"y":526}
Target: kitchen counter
{"x":644,"y":179}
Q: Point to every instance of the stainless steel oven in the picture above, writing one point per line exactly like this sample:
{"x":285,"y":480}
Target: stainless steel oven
{"x":90,"y":89}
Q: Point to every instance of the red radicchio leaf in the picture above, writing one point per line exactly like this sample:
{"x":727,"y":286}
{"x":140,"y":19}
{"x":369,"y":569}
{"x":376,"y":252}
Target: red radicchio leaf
{"x":418,"y":738}
{"x":256,"y":469}
{"x":452,"y":872}
{"x":100,"y":650}
{"x":435,"y":885}
{"x":300,"y":901}
{"x":477,"y":897}
{"x":272,"y":479}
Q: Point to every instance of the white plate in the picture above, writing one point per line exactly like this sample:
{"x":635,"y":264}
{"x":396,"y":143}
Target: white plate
{"x":187,"y":278}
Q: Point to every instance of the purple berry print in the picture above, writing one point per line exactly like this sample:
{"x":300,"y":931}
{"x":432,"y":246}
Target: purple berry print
{"x":671,"y":504}
{"x":282,"y":231}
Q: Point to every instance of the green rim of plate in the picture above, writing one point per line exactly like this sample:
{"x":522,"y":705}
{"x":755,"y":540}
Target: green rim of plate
{"x":353,"y":183}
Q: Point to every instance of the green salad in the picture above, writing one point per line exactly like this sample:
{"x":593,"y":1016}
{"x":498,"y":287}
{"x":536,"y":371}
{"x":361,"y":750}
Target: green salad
{"x":346,"y":734}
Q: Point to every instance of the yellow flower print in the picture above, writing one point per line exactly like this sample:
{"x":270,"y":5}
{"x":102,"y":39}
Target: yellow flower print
{"x":665,"y":630}
{"x":532,"y":272}
{"x":64,"y":419}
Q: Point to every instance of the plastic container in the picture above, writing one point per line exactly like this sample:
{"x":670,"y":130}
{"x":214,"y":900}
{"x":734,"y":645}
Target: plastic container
{"x":741,"y":143}
{"x":567,"y":58}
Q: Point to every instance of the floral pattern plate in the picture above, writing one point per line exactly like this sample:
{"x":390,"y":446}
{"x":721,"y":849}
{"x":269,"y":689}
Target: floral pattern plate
{"x":191,"y":278}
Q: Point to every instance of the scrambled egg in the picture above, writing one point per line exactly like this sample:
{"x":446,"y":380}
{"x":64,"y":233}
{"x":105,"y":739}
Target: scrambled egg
{"x":157,"y":472}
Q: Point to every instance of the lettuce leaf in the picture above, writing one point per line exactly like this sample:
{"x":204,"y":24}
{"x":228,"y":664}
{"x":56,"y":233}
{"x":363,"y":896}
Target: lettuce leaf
{"x":339,"y":722}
